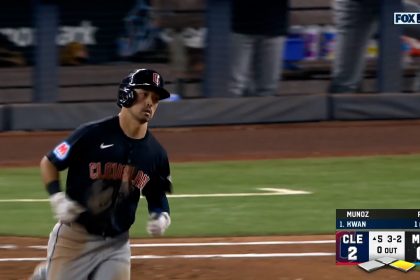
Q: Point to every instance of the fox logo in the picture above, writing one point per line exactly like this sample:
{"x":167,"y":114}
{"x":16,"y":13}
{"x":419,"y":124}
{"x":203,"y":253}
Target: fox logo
{"x":406,"y":18}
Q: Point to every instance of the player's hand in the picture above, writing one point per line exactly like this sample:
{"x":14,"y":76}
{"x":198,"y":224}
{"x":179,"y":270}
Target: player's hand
{"x":158,"y":223}
{"x":65,"y":209}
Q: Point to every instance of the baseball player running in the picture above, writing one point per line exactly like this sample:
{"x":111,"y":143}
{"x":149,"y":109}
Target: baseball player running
{"x":110,"y":163}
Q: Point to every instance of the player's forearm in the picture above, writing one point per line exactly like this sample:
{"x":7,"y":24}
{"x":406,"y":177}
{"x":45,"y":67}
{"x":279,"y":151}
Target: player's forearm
{"x":157,"y":203}
{"x":49,"y":172}
{"x":159,"y":219}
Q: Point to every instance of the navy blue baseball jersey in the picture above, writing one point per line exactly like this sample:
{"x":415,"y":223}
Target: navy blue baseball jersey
{"x":107,"y":172}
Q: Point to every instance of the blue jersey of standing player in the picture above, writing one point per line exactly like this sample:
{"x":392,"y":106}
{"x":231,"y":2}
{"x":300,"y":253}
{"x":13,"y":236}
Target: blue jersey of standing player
{"x":107,"y":171}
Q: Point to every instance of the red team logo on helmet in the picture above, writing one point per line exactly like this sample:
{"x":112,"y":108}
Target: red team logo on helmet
{"x":156,"y":78}
{"x":62,"y":150}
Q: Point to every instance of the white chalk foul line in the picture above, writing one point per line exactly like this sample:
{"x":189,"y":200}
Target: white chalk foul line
{"x":267,"y":192}
{"x":253,"y":255}
{"x":197,"y":244}
{"x":205,"y":256}
{"x":9,"y":247}
{"x":201,"y":244}
{"x":25,"y":200}
{"x":22,"y":259}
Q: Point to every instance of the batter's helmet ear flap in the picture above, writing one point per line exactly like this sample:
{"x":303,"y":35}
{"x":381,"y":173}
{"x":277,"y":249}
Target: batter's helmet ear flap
{"x":126,"y":96}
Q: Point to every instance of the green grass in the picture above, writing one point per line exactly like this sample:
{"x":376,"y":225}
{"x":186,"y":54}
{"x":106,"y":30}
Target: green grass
{"x":360,"y":182}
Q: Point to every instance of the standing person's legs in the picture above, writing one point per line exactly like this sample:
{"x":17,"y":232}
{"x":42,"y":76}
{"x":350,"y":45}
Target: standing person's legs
{"x":269,"y":63}
{"x":412,"y":30}
{"x":356,"y":23}
{"x":117,"y":264}
{"x":75,"y":254}
{"x":113,"y":269}
{"x":56,"y":256}
{"x":178,"y":60}
{"x":67,"y":253}
{"x":241,"y":53}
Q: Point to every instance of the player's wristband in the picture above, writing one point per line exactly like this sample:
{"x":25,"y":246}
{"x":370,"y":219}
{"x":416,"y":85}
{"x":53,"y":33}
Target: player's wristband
{"x":53,"y":187}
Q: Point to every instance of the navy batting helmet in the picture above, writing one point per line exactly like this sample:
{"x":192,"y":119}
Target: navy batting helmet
{"x":140,"y":78}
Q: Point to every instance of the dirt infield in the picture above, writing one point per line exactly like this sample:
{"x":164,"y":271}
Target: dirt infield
{"x":296,"y":261}
{"x":225,"y":262}
{"x":247,"y":142}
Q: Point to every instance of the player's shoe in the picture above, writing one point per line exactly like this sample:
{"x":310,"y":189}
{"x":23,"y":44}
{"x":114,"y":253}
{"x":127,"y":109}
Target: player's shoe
{"x":40,"y":272}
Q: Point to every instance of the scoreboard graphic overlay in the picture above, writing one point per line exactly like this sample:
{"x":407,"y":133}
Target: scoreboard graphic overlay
{"x":376,"y":238}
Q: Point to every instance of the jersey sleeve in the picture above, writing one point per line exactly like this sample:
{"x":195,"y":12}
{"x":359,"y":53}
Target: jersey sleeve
{"x":68,"y":149}
{"x":164,"y":180}
{"x":160,"y":184}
